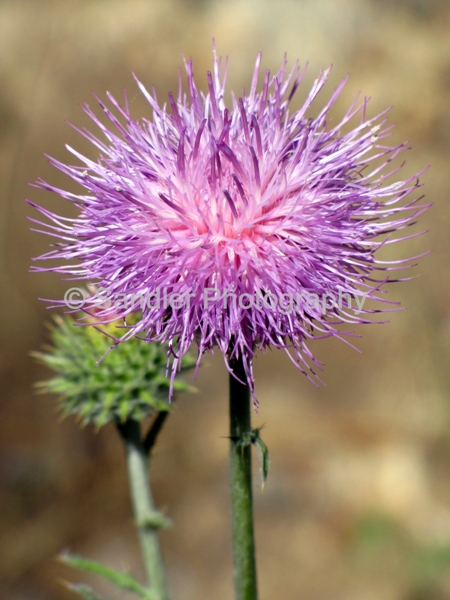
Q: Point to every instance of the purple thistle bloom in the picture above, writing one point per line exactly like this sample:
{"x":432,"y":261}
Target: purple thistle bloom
{"x":209,"y":202}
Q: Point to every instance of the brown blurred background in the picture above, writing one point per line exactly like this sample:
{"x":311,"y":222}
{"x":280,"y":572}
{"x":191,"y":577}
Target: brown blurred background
{"x":357,"y":504}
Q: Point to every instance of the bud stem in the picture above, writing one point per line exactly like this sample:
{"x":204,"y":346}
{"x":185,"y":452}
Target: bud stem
{"x":144,"y":509}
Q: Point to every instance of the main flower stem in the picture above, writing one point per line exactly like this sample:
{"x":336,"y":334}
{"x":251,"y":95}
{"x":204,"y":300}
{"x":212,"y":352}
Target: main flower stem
{"x":146,"y":517}
{"x":241,"y":486}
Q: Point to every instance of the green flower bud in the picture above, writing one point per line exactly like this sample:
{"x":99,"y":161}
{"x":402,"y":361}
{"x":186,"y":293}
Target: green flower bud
{"x":128,"y":383}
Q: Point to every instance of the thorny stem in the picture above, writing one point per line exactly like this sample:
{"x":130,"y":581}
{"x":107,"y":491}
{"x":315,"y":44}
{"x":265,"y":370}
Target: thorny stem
{"x":241,"y":486}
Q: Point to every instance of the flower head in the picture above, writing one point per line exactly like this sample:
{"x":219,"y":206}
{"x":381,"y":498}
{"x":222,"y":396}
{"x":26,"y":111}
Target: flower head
{"x":129,"y":383}
{"x":249,"y":221}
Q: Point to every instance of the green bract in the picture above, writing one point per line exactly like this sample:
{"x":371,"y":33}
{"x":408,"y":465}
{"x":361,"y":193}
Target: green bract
{"x":129,"y":383}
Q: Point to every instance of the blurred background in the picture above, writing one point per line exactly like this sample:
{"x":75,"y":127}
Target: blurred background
{"x":357,"y":504}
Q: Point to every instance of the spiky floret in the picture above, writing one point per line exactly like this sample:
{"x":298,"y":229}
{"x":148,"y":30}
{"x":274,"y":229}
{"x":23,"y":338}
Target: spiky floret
{"x":128,"y":384}
{"x":245,"y":200}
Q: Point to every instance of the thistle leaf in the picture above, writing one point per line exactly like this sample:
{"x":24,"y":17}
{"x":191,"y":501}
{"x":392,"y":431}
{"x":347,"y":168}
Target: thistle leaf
{"x":124,"y":581}
{"x":84,"y":591}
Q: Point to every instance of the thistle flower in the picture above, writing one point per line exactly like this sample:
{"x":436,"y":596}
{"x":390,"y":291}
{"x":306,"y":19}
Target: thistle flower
{"x":241,"y":212}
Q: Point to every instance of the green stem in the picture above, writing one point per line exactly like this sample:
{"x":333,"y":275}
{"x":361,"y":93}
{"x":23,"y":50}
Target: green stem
{"x":241,"y":486}
{"x":146,"y":517}
{"x":153,"y":432}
